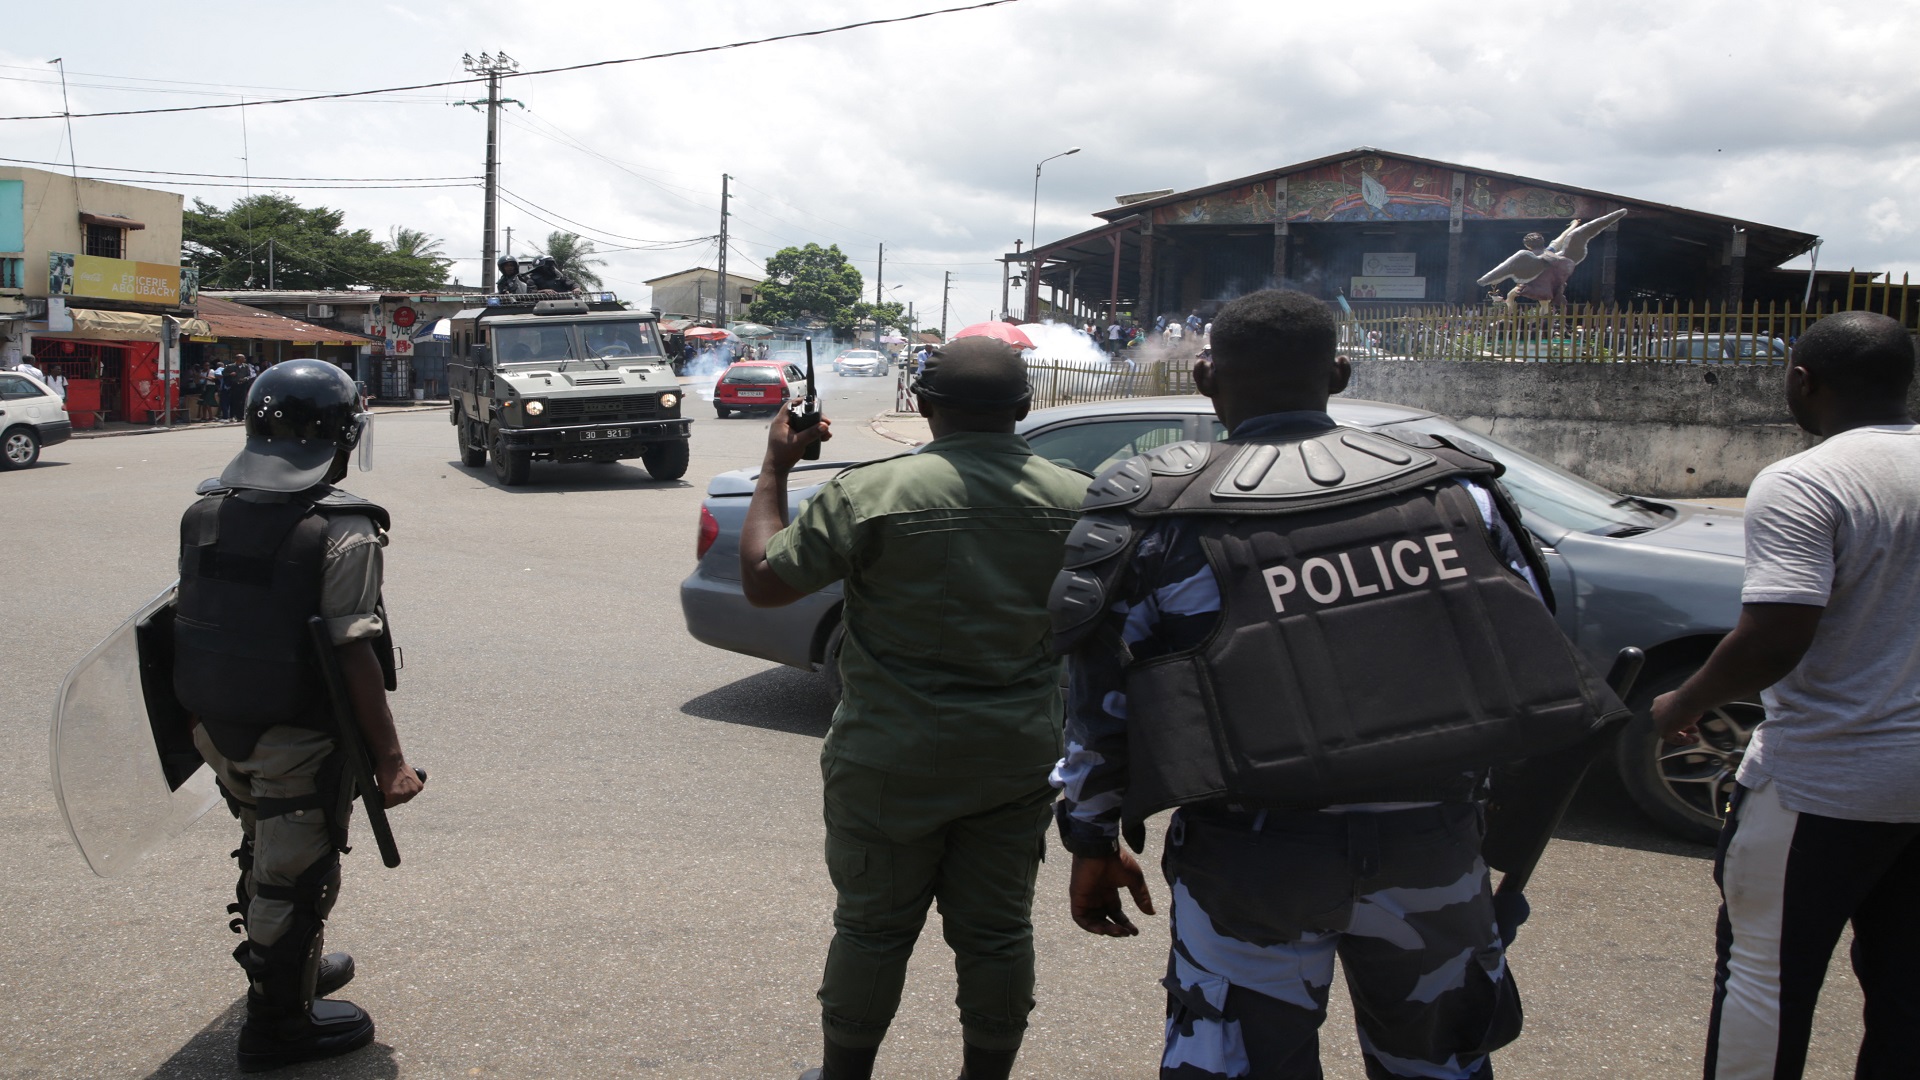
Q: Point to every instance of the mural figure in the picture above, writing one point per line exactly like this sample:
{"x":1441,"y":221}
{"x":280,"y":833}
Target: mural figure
{"x":1540,"y":270}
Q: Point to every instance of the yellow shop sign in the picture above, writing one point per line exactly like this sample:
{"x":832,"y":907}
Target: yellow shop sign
{"x":117,"y":279}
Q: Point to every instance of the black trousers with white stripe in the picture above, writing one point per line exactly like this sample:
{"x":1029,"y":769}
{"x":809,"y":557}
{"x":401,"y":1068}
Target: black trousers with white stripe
{"x":1790,"y":882}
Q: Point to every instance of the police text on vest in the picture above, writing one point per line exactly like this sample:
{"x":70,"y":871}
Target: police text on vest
{"x":1325,"y":581}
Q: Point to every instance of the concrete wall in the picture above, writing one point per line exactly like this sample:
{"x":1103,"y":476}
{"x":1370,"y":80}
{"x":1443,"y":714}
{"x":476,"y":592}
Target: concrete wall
{"x":1674,"y":430}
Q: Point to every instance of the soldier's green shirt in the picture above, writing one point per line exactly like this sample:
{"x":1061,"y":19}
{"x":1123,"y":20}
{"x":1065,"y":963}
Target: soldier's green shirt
{"x":947,"y":556}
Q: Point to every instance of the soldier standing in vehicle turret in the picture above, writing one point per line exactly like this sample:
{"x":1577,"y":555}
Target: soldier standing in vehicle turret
{"x":1314,"y":641}
{"x":269,"y":545}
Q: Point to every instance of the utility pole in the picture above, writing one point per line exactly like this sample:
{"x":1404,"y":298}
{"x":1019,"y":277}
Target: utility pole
{"x":269,"y":263}
{"x":66,"y":110}
{"x":879,"y":293}
{"x":946,"y":284}
{"x":720,"y":305}
{"x":492,"y":67}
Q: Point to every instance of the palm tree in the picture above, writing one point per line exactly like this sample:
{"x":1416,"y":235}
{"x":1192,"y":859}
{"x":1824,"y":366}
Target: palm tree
{"x":574,"y":255}
{"x":413,"y":243}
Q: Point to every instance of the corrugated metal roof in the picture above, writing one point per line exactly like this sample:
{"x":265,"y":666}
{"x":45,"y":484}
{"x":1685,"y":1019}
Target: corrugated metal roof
{"x":231,"y":320}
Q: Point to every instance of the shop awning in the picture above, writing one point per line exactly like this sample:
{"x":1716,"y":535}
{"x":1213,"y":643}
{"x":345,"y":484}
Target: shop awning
{"x":121,"y":326}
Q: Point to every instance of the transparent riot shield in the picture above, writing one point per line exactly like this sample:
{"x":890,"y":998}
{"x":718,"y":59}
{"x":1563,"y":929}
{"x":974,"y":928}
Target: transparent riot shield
{"x":125,"y":772}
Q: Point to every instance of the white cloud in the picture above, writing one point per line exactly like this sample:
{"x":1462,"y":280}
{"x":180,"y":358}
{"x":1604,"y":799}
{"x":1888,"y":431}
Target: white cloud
{"x":924,"y":134}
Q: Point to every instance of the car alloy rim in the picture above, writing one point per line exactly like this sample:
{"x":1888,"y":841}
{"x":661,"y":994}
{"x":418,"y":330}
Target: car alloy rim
{"x":1701,"y":773}
{"x":19,"y":449}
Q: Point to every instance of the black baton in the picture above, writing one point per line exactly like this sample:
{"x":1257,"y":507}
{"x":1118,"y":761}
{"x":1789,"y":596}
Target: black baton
{"x":359,"y":764}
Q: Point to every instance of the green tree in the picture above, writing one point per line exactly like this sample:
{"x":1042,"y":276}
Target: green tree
{"x":310,"y":247}
{"x":574,"y":255}
{"x":810,"y":282}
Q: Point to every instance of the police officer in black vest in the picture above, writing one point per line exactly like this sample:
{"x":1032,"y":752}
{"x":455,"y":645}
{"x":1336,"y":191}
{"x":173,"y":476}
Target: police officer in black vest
{"x":1313,"y":641}
{"x":269,"y":545}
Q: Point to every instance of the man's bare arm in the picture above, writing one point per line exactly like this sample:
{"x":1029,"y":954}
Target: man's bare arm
{"x":767,"y":513}
{"x":367,"y":686}
{"x":1765,"y":645}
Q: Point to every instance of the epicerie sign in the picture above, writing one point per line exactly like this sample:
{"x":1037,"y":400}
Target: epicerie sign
{"x":111,"y":279}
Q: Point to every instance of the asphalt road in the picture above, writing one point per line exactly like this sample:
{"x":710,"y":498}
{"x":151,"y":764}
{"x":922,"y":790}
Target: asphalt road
{"x":616,"y":870}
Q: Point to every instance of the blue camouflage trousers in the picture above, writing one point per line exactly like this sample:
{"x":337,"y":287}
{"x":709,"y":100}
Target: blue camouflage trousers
{"x":1263,"y":903}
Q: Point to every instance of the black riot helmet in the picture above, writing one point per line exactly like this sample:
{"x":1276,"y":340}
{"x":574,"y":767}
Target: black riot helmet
{"x":505,"y":261}
{"x":302,"y":417}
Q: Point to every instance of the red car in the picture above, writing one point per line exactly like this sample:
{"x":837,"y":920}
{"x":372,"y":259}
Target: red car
{"x":757,"y":384}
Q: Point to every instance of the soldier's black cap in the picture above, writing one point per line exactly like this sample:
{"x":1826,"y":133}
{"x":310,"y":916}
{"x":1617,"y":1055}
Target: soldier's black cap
{"x":975,"y":374}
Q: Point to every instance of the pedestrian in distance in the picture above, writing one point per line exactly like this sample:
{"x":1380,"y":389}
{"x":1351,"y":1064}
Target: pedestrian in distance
{"x":1323,"y":812}
{"x":1113,"y":337}
{"x":936,"y":765}
{"x":1824,"y":824}
{"x":269,"y":545}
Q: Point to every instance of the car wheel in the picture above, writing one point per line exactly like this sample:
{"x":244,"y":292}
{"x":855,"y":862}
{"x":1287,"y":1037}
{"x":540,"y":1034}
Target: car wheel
{"x":666,"y":461}
{"x":511,"y":467}
{"x":19,"y":448}
{"x":1685,"y":788}
{"x":473,"y":453}
{"x":830,"y":663}
{"x":722,"y":411}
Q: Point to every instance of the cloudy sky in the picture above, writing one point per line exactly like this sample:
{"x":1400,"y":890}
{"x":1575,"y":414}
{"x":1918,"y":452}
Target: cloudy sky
{"x":924,"y":135}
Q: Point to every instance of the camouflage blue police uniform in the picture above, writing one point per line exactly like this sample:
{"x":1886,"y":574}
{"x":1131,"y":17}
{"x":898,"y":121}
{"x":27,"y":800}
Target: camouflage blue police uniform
{"x":1263,"y":901}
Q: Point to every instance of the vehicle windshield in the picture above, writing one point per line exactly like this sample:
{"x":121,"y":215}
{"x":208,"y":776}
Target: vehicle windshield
{"x":859,"y":354}
{"x":752,"y":373}
{"x":531,"y":344}
{"x":1550,"y":493}
{"x":619,"y":340}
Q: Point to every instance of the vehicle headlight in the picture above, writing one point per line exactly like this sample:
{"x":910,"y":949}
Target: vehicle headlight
{"x":668,"y":401}
{"x":535,"y":408}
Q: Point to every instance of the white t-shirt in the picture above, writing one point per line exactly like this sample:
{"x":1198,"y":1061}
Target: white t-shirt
{"x":1113,"y":332}
{"x":1838,"y":526}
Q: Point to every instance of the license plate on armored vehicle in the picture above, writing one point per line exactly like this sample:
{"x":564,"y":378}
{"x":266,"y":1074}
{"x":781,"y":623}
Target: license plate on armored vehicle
{"x":606,"y":433}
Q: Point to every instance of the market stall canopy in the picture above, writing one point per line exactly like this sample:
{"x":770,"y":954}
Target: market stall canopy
{"x":893,"y":339}
{"x":227,"y":319}
{"x":751,"y":329}
{"x":93,"y":325}
{"x":1002,"y":331}
{"x":708,"y":333}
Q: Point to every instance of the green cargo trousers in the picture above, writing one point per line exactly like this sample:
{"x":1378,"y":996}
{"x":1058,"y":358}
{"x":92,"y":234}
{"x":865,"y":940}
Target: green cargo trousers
{"x":897,"y":843}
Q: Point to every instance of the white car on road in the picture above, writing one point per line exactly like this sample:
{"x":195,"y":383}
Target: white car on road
{"x":31,"y":416}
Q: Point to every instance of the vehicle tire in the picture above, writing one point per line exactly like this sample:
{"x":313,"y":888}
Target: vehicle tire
{"x":722,"y":411}
{"x":19,"y":448}
{"x":472,"y":454}
{"x":666,"y":461}
{"x":1684,"y":788}
{"x":511,"y":467}
{"x":830,"y":663}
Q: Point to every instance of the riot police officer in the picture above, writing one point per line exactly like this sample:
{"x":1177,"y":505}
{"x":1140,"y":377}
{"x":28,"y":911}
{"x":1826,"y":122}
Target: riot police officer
{"x":510,"y":280}
{"x":269,"y":545}
{"x":547,"y":277}
{"x":1313,"y":641}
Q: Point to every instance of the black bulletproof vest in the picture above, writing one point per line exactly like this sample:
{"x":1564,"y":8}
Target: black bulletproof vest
{"x":1371,"y":646}
{"x":250,"y":578}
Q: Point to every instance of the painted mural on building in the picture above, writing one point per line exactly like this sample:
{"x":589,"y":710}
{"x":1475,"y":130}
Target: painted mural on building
{"x":1372,"y":187}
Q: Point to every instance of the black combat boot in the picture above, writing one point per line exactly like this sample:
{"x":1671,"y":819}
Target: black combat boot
{"x":981,"y":1064}
{"x":286,"y":1022}
{"x":844,"y":1063}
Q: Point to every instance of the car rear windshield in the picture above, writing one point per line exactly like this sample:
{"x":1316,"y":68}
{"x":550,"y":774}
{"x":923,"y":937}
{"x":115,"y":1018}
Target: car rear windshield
{"x":759,"y":375}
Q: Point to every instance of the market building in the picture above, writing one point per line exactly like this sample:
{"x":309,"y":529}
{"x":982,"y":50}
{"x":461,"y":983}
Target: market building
{"x":92,"y":288}
{"x":266,"y":338}
{"x":1371,"y":225}
{"x":694,"y":295}
{"x":399,"y":353}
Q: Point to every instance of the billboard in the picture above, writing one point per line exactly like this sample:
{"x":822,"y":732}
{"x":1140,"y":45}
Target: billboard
{"x":1388,"y":288}
{"x":119,"y":279}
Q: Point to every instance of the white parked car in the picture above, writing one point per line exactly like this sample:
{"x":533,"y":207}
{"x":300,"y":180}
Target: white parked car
{"x":31,"y":416}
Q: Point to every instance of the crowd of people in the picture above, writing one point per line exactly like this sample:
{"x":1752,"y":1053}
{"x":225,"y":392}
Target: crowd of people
{"x":218,"y":391}
{"x":1173,"y":335}
{"x":1312,"y":643}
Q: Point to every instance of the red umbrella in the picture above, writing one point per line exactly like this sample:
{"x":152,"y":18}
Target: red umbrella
{"x":708,"y":332}
{"x":1004,"y":331}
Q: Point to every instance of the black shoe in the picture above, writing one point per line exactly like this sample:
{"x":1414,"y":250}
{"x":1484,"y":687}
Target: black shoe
{"x":844,"y":1063}
{"x":979,"y":1064}
{"x":336,"y":971}
{"x":269,"y":1039}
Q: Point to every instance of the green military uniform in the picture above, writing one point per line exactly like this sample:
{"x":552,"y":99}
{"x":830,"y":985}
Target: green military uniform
{"x":936,"y":765}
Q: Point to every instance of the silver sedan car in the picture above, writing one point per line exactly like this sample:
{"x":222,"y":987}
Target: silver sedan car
{"x":1658,"y":574}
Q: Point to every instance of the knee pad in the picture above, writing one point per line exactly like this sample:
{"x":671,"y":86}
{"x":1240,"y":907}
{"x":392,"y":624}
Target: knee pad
{"x":285,"y":971}
{"x":242,"y":890}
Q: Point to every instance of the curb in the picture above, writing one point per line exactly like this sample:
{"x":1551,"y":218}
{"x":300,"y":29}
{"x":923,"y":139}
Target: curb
{"x":202,"y":425}
{"x":876,"y":425}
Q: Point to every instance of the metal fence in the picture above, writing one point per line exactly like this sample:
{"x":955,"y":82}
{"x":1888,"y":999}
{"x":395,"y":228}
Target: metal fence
{"x":1686,"y":334}
{"x":1063,"y":384}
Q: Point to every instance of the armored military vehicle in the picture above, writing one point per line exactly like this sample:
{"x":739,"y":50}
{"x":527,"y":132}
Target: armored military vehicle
{"x":564,"y":379}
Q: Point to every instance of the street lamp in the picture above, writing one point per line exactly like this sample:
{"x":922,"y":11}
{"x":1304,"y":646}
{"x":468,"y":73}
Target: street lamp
{"x":1033,"y":227}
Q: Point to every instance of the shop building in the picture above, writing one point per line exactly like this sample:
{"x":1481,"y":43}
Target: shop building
{"x":92,"y":288}
{"x":694,"y":295}
{"x":1369,"y":225}
{"x":400,"y":352}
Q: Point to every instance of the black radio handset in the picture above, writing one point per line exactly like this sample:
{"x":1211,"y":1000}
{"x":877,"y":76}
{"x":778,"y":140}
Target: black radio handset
{"x":806,"y":412}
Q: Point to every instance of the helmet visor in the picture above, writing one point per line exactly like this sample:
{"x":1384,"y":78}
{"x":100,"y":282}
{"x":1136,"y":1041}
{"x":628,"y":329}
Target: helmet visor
{"x":364,"y":441}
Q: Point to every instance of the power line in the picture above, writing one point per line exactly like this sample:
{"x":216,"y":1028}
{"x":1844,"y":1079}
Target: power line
{"x":238,"y":176}
{"x":652,"y":245}
{"x":581,"y":225}
{"x":540,"y":71}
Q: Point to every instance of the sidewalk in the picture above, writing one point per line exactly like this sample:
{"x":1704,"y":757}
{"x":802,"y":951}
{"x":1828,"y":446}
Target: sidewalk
{"x":113,"y":429}
{"x":907,"y":428}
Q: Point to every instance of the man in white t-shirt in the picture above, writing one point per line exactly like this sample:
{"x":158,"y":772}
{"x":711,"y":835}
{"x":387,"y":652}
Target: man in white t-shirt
{"x":1825,"y":823}
{"x":1113,"y":337}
